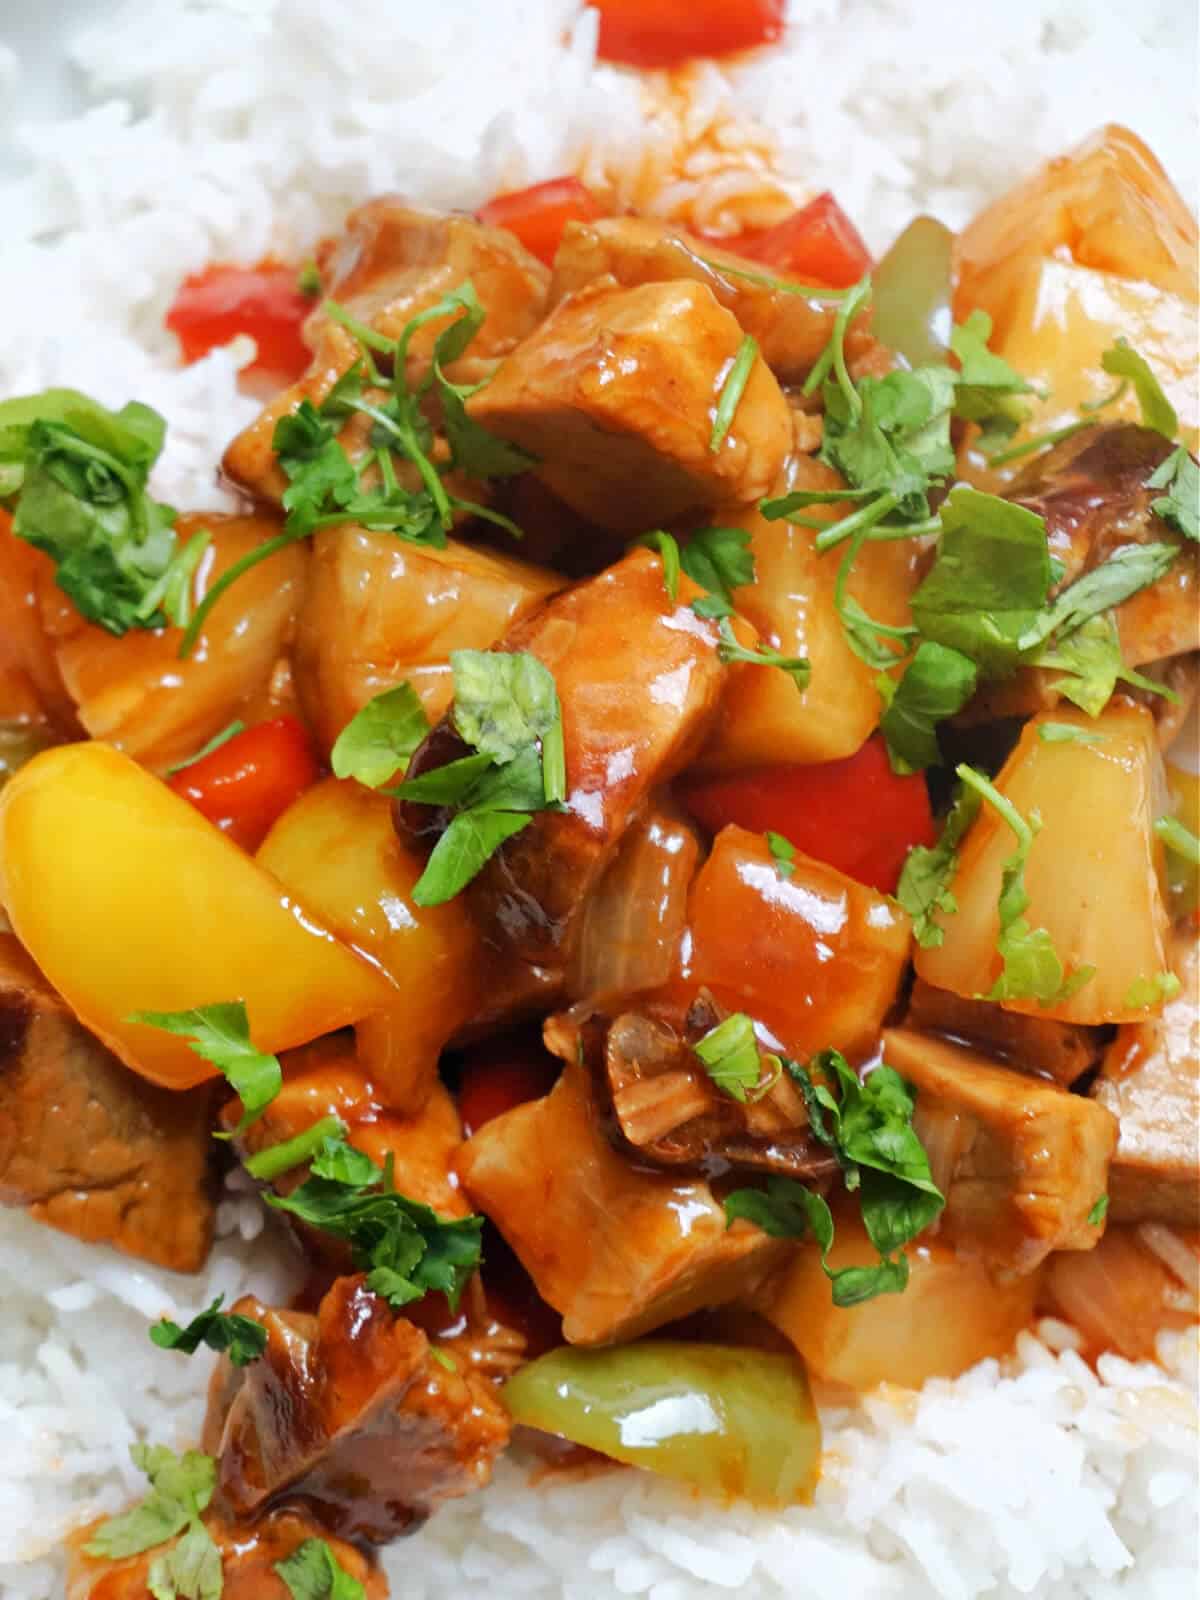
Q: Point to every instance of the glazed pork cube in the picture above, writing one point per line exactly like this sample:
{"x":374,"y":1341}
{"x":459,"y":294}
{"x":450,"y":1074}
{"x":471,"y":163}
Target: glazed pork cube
{"x":616,"y":1249}
{"x":1062,"y":1051}
{"x":1021,"y":1163}
{"x":343,"y":1399}
{"x":791,"y":329}
{"x":616,"y":395}
{"x":1150,"y":1081}
{"x":86,"y":1144}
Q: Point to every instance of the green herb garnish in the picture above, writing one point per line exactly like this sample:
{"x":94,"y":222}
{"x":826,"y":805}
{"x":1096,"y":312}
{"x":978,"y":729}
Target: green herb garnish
{"x":783,"y":853}
{"x":275,"y":1159}
{"x":1144,"y":993}
{"x":221,"y":1034}
{"x":1179,"y":507}
{"x":928,"y":872}
{"x":1123,"y":361}
{"x":1178,"y":839}
{"x":241,"y":1338}
{"x":937,"y":683}
{"x":230,"y":731}
{"x":313,"y":1572}
{"x":378,"y":740}
{"x":181,"y":1488}
{"x":798,"y":668}
{"x":732,"y":390}
{"x":1068,"y":733}
{"x":730,"y":1056}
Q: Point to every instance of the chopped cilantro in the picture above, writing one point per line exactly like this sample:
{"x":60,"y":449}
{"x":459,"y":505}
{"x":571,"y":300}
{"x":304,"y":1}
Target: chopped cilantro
{"x":986,"y":389}
{"x":1130,"y":568}
{"x":308,"y":280}
{"x":1098,"y":1212}
{"x":1067,"y":733}
{"x":378,"y":740}
{"x":1179,"y":507}
{"x":937,"y":683}
{"x":180,"y":1489}
{"x":1182,"y":841}
{"x":783,"y":853}
{"x":241,"y":1338}
{"x":928,"y":872}
{"x":1123,"y":361}
{"x":668,"y":549}
{"x":797,"y":668}
{"x":277,"y":1158}
{"x":229,"y":731}
{"x":313,"y":1572}
{"x":732,"y":390}
{"x":719,"y":560}
{"x":1032,"y":969}
{"x":221,"y":1034}
{"x":1145,"y":993}
{"x":730,"y":1056}
{"x":404,"y":1247}
{"x":1091,"y":664}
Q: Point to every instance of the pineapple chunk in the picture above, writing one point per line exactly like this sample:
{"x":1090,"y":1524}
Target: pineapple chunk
{"x":1094,"y":872}
{"x":817,"y":957}
{"x":902,"y":1339}
{"x":1027,"y":1161}
{"x":791,"y":604}
{"x":1107,"y":205}
{"x":617,"y":1249}
{"x":1150,"y":1082}
{"x":378,"y":611}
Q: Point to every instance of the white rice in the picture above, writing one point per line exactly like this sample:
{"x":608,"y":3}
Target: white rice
{"x":225,"y":129}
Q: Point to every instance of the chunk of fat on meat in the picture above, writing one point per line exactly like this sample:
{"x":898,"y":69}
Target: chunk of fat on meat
{"x":249,"y":1554}
{"x":378,"y":612}
{"x":1063,"y":1051}
{"x":348,"y":1414}
{"x":638,"y":678}
{"x":1150,"y":1081}
{"x":614,"y":1248}
{"x":87,"y":1145}
{"x":326,"y":1079}
{"x":392,"y":262}
{"x":792,"y":329}
{"x":616,"y":395}
{"x":1021,"y":1163}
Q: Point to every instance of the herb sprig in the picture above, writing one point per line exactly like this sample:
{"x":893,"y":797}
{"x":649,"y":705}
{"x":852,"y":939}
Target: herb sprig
{"x":181,"y":1488}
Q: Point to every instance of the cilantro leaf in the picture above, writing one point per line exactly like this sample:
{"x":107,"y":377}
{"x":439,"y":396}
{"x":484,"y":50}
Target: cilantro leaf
{"x":1032,"y":969}
{"x":405,"y":1248}
{"x":986,"y":388}
{"x":229,"y":731}
{"x":668,"y":548}
{"x":313,"y":1572}
{"x":730,"y":1056}
{"x":1098,"y":1212}
{"x":989,"y":581}
{"x":732,"y":390}
{"x":268,"y":1163}
{"x":463,"y":850}
{"x":783,"y":853}
{"x":797,"y":668}
{"x":221,"y":1034}
{"x":1067,"y":733}
{"x":1129,"y":569}
{"x":378,"y":740}
{"x":937,"y":683}
{"x":1182,"y":841}
{"x":1147,"y":992}
{"x":1179,"y":508}
{"x":1123,"y":361}
{"x":180,"y":1489}
{"x":243,"y":1339}
{"x":189,"y":1570}
{"x":719,"y":560}
{"x":503,"y":702}
{"x":473,"y":449}
{"x":1091,"y":664}
{"x":928,"y":872}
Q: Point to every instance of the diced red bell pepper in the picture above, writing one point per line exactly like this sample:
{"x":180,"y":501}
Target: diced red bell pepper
{"x":214,"y":306}
{"x":818,"y":243}
{"x":498,"y":1076}
{"x":246,"y":784}
{"x":539,"y":214}
{"x":856,"y":814}
{"x":665,"y":33}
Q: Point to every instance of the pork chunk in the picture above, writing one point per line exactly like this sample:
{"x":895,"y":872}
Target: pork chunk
{"x":248,"y":1559}
{"x":1063,"y":1051}
{"x":393,"y":261}
{"x":614,"y":1248}
{"x":638,"y":679}
{"x":616,"y":394}
{"x":87,"y":1145}
{"x":1150,"y":1081}
{"x":348,"y":1415}
{"x":1021,"y":1163}
{"x":791,"y":329}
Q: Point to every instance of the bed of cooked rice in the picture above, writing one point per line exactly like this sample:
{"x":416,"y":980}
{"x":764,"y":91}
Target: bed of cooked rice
{"x":223,"y":129}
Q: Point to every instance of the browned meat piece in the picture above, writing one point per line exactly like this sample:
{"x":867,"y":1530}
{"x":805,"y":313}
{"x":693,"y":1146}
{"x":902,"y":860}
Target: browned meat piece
{"x":616,"y":394}
{"x":616,"y":1249}
{"x":1091,"y":489}
{"x":791,"y":329}
{"x":1021,"y":1163}
{"x":392,"y":261}
{"x":1150,"y":1081}
{"x":348,"y":1415}
{"x":248,"y":1558}
{"x":669,"y":1109}
{"x":86,"y":1144}
{"x":1063,"y":1051}
{"x":638,"y":678}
